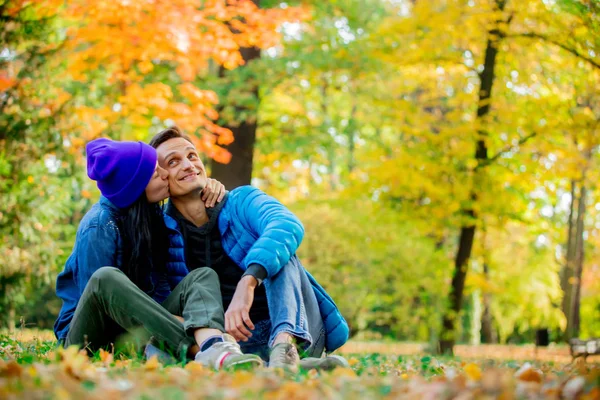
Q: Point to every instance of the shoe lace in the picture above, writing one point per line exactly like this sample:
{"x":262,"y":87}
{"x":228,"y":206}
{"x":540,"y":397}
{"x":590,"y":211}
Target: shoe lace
{"x":287,"y":355}
{"x":231,"y":347}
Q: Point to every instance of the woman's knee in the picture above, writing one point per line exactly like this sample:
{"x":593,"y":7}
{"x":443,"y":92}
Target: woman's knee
{"x":106,"y":276}
{"x":204,"y":274}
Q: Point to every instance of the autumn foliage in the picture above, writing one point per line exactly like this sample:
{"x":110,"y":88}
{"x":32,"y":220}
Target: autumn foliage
{"x":380,"y":123}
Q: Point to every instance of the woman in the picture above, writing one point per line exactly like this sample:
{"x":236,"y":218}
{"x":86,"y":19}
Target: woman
{"x":115,"y":280}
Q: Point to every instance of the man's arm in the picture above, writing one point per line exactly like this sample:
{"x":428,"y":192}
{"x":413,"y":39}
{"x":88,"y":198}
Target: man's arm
{"x":278,"y":231}
{"x":237,"y":317}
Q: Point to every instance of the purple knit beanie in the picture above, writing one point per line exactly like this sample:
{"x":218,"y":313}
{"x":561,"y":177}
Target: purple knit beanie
{"x":122,"y":169}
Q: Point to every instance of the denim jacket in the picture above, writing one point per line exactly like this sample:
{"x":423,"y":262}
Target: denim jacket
{"x":98,"y":244}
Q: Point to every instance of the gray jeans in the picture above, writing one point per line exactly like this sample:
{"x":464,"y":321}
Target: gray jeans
{"x":112,"y":305}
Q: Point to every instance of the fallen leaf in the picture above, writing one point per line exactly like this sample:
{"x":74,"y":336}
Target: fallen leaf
{"x":529,"y":374}
{"x":10,"y":369}
{"x":473,"y":371}
{"x":152,"y":364}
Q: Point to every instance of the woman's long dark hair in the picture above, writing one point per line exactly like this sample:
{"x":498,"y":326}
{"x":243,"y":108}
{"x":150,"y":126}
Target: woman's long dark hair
{"x":145,"y":242}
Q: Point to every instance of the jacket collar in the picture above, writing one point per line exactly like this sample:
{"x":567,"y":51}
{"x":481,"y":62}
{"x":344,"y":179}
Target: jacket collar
{"x":213,"y":213}
{"x":114,"y":210}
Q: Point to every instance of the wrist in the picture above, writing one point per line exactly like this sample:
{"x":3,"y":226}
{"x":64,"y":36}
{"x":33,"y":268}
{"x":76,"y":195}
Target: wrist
{"x":248,"y":281}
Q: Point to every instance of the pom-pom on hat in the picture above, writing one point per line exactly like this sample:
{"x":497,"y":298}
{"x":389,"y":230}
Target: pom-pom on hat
{"x":121,"y":169}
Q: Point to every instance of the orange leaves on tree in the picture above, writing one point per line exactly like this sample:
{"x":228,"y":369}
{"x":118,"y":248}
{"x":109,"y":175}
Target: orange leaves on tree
{"x":127,"y":41}
{"x":6,"y":82}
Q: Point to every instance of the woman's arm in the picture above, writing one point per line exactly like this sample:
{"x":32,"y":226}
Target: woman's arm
{"x":96,"y":248}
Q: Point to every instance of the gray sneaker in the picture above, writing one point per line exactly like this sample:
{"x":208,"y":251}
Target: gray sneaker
{"x":325,"y":363}
{"x":227,"y":355}
{"x":284,"y":356}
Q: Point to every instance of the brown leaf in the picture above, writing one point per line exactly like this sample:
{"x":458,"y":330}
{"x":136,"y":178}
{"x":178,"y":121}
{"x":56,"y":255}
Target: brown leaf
{"x":10,"y":369}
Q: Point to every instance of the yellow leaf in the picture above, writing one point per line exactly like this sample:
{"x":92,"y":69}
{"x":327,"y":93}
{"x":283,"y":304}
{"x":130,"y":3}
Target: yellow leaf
{"x":74,"y":361}
{"x":145,"y":66}
{"x":196,"y":369}
{"x":473,"y":371}
{"x":106,"y":357}
{"x":347,"y":372}
{"x":61,"y":394}
{"x":152,"y":364}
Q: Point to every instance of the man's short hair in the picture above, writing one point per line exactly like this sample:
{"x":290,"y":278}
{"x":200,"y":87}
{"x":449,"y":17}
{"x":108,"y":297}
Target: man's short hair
{"x":167,"y":134}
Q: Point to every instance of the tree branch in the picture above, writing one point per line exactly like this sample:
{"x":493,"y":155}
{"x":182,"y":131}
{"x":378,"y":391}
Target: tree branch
{"x":505,"y":150}
{"x":534,"y":35}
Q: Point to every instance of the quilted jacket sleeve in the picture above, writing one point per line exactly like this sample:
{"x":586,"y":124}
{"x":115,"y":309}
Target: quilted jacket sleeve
{"x":278,"y":232}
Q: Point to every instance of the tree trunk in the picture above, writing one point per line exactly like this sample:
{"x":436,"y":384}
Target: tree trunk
{"x":488,"y":333}
{"x":239,"y":170}
{"x":569,"y":269}
{"x":467,"y":232}
{"x":11,"y":318}
{"x":573,"y":269}
{"x":573,"y":323}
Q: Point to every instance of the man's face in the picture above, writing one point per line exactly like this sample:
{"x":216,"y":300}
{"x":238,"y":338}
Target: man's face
{"x":186,"y":171}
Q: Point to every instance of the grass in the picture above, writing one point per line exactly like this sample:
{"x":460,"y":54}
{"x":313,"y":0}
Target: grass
{"x":32,"y":367}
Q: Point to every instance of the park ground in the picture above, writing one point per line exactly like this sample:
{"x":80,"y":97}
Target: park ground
{"x":32,"y":367}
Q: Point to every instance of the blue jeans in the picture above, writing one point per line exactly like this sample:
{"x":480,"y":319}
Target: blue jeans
{"x":293,"y":309}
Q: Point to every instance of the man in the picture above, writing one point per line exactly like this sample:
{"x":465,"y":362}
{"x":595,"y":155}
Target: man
{"x":250,"y":239}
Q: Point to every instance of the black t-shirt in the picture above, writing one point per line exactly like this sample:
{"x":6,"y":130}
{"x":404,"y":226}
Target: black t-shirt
{"x":203,"y":248}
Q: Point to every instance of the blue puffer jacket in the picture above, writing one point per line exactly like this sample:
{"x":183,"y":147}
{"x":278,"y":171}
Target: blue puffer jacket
{"x":256,"y":228}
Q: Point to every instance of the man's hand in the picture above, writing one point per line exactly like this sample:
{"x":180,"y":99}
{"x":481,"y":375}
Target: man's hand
{"x":237,"y":317}
{"x":213,"y":192}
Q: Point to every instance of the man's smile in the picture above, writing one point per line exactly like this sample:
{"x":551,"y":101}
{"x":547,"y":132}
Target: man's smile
{"x":190,"y":176}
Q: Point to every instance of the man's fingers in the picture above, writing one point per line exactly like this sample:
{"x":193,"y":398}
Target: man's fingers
{"x":227,"y":325}
{"x":242,"y":328}
{"x":237,"y":334}
{"x":232,"y":329}
{"x":247,"y":320}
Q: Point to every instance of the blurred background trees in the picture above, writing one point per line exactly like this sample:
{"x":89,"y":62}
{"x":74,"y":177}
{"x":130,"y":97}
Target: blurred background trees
{"x":443,"y":155}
